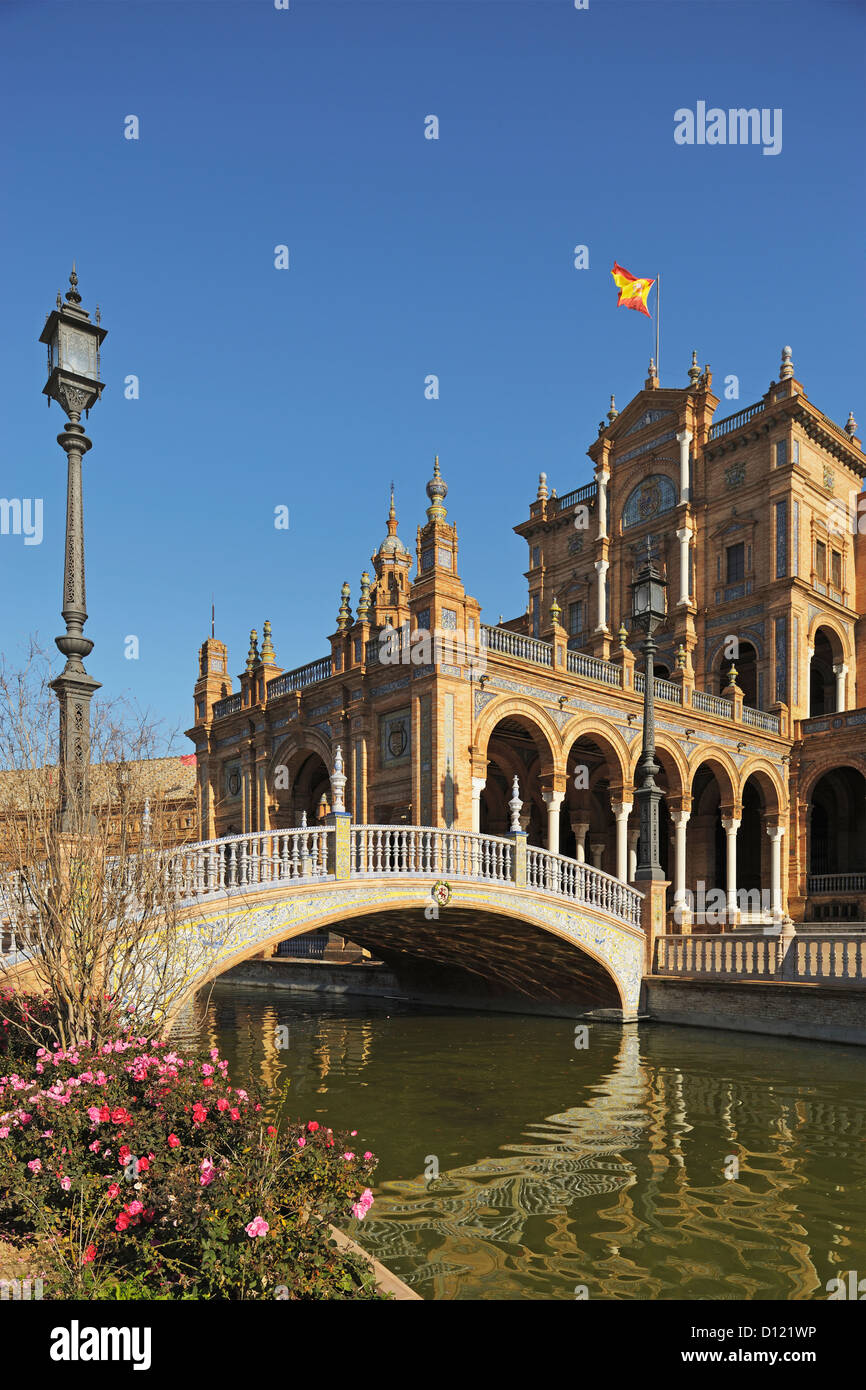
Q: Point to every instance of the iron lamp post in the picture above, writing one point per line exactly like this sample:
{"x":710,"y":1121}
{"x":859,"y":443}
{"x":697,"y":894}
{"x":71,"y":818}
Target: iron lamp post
{"x":648,"y":611}
{"x":73,"y":381}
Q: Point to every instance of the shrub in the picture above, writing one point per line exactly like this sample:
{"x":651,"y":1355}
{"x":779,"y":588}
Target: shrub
{"x":148,"y":1175}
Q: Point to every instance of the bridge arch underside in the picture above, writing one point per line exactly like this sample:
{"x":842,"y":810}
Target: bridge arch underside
{"x":475,"y":954}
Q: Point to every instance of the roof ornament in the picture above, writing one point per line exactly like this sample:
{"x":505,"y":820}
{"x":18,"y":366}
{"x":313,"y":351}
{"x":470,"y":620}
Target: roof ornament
{"x":253,"y":653}
{"x":786,"y":371}
{"x":613,"y":412}
{"x":694,"y":371}
{"x":851,"y":425}
{"x":344,"y":617}
{"x":269,"y":656}
{"x":515,"y":806}
{"x":541,"y":495}
{"x":437,"y":491}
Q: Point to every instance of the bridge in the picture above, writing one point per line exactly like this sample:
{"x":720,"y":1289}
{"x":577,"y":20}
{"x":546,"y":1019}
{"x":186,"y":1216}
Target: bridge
{"x":442,"y":904}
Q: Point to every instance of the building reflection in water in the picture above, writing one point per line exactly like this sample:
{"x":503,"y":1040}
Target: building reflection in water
{"x":624,"y":1192}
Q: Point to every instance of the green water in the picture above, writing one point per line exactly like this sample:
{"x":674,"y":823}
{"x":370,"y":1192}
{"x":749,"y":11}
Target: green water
{"x":562,"y":1168}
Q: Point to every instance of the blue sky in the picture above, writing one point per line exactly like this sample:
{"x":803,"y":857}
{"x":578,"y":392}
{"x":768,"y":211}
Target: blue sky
{"x":408,"y":256}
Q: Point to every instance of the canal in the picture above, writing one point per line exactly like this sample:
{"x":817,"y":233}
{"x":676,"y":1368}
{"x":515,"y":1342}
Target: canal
{"x":515,"y":1164}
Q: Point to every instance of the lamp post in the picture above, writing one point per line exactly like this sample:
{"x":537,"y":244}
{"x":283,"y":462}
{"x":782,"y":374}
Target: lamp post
{"x":73,"y":381}
{"x":648,"y":611}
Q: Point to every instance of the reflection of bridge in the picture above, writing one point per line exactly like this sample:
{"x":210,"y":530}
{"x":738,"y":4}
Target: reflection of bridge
{"x":518,"y":919}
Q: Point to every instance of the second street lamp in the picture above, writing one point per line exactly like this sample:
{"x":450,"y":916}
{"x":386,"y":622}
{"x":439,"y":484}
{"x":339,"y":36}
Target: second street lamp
{"x":648,"y":611}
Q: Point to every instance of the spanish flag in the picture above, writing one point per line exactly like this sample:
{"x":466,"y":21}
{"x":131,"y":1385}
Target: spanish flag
{"x":632,"y":290}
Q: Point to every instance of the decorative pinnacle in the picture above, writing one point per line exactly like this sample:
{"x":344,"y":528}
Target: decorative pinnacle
{"x":344,"y":617}
{"x":338,"y":781}
{"x":623,"y":636}
{"x":541,"y":495}
{"x":787,"y":368}
{"x":269,"y":656}
{"x":437,"y":490}
{"x":681,"y":657}
{"x":613,"y":412}
{"x":515,"y":805}
{"x":72,"y":295}
{"x":694,"y":370}
{"x":392,"y":516}
{"x":555,"y":610}
{"x":364,"y":599}
{"x":732,"y":675}
{"x":652,"y":366}
{"x":253,"y":653}
{"x":851,"y":424}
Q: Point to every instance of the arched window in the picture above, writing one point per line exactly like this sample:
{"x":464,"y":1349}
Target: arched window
{"x":655,"y":495}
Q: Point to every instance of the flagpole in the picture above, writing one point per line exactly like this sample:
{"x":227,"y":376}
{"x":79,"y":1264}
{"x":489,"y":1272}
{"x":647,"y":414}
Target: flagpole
{"x":658,"y":324}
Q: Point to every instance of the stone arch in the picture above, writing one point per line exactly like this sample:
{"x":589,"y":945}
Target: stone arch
{"x":592,"y":806}
{"x":828,"y":649}
{"x":306,"y":756}
{"x":724,"y":770}
{"x":670,"y":757}
{"x":842,"y":651}
{"x":770,"y":783}
{"x":518,"y":708}
{"x":607,"y":736}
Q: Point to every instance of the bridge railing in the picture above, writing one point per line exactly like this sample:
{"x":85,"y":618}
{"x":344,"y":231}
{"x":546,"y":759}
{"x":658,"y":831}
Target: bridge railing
{"x":820,"y":957}
{"x":251,"y":861}
{"x":555,"y":873}
{"x":424,"y":851}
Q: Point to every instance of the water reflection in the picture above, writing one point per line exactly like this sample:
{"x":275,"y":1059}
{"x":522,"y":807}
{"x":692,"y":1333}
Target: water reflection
{"x":560,"y":1168}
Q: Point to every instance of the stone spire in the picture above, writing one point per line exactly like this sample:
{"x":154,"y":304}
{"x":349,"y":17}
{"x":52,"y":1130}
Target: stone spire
{"x":652,"y":380}
{"x":344,"y":617}
{"x":541,"y":495}
{"x":851,"y":425}
{"x":694,"y":371}
{"x":269,"y":656}
{"x":786,"y":370}
{"x":253,"y":653}
{"x":437,"y":490}
{"x":364,"y":599}
{"x":613,"y":412}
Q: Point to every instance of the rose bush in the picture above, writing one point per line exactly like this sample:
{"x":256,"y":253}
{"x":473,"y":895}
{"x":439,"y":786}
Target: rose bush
{"x":146,"y":1173}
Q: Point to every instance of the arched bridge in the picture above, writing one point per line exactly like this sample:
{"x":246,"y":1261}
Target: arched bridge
{"x":443,"y":905}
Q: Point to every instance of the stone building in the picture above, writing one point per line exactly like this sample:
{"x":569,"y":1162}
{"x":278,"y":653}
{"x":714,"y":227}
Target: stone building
{"x":757,"y":521}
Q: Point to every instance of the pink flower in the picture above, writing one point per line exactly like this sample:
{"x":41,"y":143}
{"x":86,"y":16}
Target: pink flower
{"x":313,"y":1126}
{"x":199,"y":1114}
{"x":222,"y":1103}
{"x":4,"y":1132}
{"x":301,"y":1142}
{"x":257,"y":1227}
{"x":89,"y":1254}
{"x":363,"y":1204}
{"x":208,"y":1172}
{"x":348,"y":1157}
{"x":94,"y":1147}
{"x":367,"y":1156}
{"x":66,"y":1183}
{"x":134,"y":1208}
{"x":113,"y":1191}
{"x":35,"y":1165}
{"x":173,"y":1141}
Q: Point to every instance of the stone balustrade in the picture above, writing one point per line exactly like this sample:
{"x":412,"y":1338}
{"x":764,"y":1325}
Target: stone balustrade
{"x":820,"y":957}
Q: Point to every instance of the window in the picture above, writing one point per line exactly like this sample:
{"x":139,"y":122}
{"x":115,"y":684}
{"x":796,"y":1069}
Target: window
{"x":736,"y":562}
{"x":536,"y":556}
{"x":575,"y":618}
{"x":836,"y":569}
{"x":781,"y":453}
{"x":796,"y":451}
{"x":821,"y":560}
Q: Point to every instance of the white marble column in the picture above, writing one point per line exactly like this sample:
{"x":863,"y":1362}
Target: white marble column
{"x":633,"y":837}
{"x":553,"y":800}
{"x":684,"y":537}
{"x":684,"y":439}
{"x":680,"y":821}
{"x":775,"y":833}
{"x":262,"y":791}
{"x":621,"y":810}
{"x":840,"y":671}
{"x":580,"y":827}
{"x":601,"y":568}
{"x":596,"y":848}
{"x":603,"y":479}
{"x":731,"y":825}
{"x":478,"y":785}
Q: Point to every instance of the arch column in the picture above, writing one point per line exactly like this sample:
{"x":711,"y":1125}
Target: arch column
{"x":596,"y":848}
{"x":601,"y":568}
{"x":731,"y":825}
{"x":680,"y":821}
{"x":775,"y":833}
{"x":553,"y":800}
{"x":621,"y":811}
{"x":840,"y":671}
{"x":478,"y":785}
{"x":633,"y":837}
{"x":580,"y":828}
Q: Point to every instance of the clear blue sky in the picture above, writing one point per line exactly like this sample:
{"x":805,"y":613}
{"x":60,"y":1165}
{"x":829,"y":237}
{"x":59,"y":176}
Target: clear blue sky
{"x":408,"y":256}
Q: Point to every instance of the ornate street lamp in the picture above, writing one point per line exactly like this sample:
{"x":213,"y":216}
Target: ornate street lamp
{"x":648,"y":611}
{"x":73,"y":381}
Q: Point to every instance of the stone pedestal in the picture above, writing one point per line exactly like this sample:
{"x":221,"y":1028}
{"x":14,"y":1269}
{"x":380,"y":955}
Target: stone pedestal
{"x":653,"y":915}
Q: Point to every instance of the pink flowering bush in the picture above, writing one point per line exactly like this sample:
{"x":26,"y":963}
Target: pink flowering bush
{"x":145,"y":1173}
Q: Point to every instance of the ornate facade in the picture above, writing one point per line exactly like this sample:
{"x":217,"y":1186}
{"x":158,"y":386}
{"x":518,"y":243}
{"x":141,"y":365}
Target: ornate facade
{"x":757,"y":520}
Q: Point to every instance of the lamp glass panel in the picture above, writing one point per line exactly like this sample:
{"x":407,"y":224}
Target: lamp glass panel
{"x":77,"y":351}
